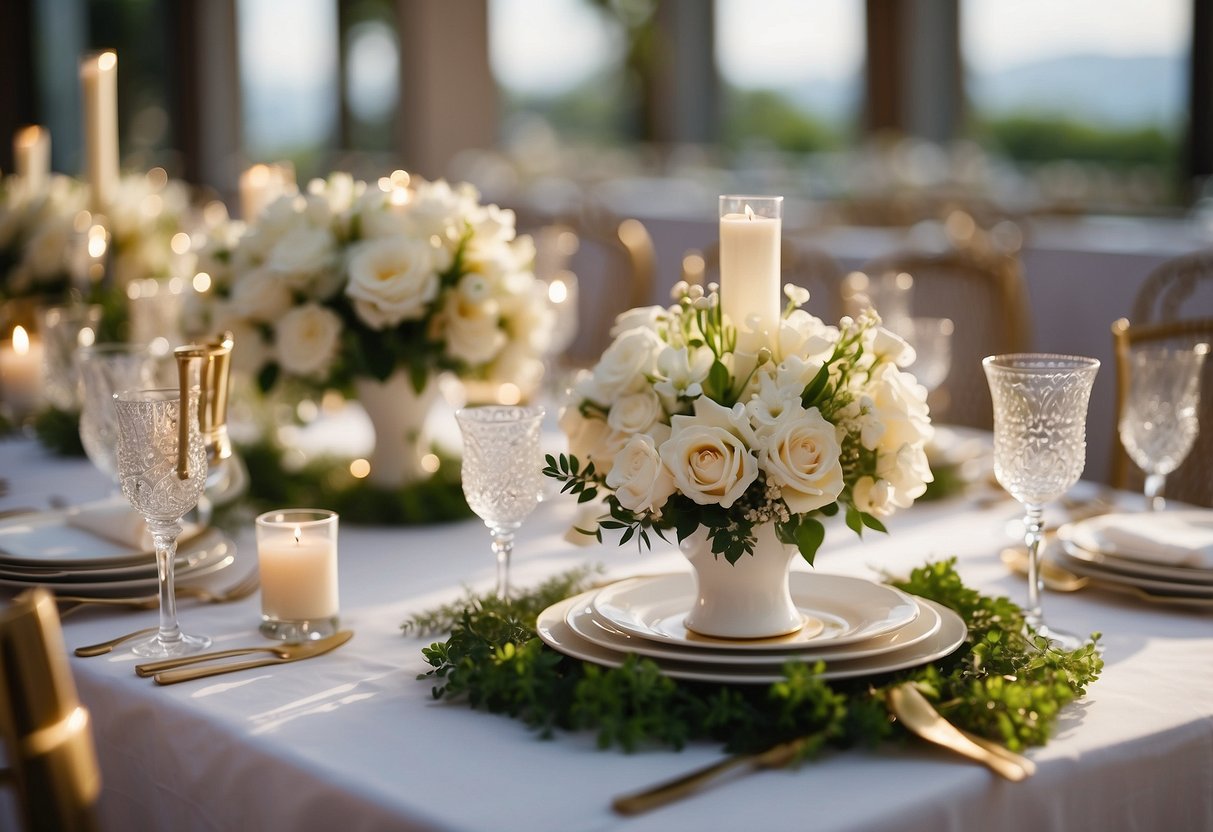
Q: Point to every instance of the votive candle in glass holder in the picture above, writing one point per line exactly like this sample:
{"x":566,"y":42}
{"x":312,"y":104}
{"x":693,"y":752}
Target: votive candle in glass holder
{"x":297,"y":554}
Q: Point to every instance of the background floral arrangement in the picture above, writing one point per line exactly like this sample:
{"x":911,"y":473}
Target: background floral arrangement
{"x":680,"y":427}
{"x":41,"y":249}
{"x":350,"y":280}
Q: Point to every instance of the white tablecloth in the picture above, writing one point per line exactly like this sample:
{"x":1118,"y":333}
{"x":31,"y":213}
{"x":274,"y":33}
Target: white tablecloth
{"x":354,"y":741}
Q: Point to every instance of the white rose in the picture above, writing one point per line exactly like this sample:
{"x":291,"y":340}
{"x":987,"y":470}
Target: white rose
{"x":873,"y":496}
{"x":261,"y":296}
{"x":635,"y":412}
{"x":907,"y":472}
{"x":253,"y":352}
{"x":591,"y":440}
{"x":392,"y":280}
{"x":306,"y":340}
{"x":646,"y":317}
{"x":626,"y":362}
{"x":640,"y":480}
{"x":803,"y":335}
{"x":894,"y":410}
{"x":472,"y":332}
{"x":303,"y":251}
{"x":706,"y":456}
{"x":802,"y":458}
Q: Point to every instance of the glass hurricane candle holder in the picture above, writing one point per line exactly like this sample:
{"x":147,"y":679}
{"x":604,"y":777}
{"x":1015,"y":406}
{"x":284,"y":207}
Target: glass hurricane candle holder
{"x":297,"y":558}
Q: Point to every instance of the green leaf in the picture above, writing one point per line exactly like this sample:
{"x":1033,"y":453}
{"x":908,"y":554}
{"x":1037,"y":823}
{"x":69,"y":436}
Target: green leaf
{"x":718,"y":381}
{"x":419,"y":374}
{"x":872,"y":523}
{"x":814,"y":389}
{"x":854,"y":521}
{"x":267,"y":377}
{"x":809,"y":538}
{"x":830,"y":510}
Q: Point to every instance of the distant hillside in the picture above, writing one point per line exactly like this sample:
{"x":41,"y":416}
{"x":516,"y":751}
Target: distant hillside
{"x":1101,"y":88}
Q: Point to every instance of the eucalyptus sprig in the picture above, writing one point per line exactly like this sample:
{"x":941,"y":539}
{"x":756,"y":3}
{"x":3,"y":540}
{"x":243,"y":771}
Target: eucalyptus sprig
{"x":1004,"y":682}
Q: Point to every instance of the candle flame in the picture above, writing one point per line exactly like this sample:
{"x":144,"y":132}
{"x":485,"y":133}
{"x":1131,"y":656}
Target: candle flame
{"x":20,"y":340}
{"x":28,"y":136}
{"x":749,"y":212}
{"x":298,"y":535}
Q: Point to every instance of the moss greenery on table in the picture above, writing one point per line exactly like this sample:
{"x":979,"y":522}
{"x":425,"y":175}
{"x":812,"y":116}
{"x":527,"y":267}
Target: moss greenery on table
{"x":1003,"y":682}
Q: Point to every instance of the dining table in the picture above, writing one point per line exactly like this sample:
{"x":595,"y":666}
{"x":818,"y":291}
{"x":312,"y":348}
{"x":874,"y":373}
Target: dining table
{"x":356,"y":740}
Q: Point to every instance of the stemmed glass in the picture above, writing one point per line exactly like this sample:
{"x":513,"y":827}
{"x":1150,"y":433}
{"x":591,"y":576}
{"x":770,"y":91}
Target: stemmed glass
{"x":104,"y":370}
{"x":931,"y":339}
{"x":502,"y":473}
{"x":162,"y":485}
{"x":1040,"y":421}
{"x":1158,"y":424}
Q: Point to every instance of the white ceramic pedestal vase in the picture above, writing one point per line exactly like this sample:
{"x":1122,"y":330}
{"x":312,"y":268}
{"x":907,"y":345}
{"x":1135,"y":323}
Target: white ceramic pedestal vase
{"x":398,"y":413}
{"x":747,"y":599}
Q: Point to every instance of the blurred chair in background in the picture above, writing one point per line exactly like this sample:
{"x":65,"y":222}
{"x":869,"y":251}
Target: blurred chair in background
{"x":804,"y":265}
{"x":1181,"y":287}
{"x":985,"y":296}
{"x":47,"y":735}
{"x":1190,"y":481}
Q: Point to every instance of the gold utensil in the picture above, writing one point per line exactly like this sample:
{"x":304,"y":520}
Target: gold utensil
{"x":243,"y":588}
{"x":1055,"y":577}
{"x":775,"y":757}
{"x":918,"y":716}
{"x":282,"y":651}
{"x":305,"y":651}
{"x":101,"y":648}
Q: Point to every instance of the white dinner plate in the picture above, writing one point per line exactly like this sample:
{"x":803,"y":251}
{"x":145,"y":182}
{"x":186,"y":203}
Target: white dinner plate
{"x":850,"y":610}
{"x":195,"y":552}
{"x":46,"y":539}
{"x":1082,"y":535}
{"x":1153,"y":585}
{"x":585,"y":623}
{"x":210,"y":552}
{"x":554,"y":630}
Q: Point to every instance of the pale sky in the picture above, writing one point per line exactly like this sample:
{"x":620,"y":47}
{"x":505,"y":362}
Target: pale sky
{"x":548,"y":46}
{"x":774,"y":43}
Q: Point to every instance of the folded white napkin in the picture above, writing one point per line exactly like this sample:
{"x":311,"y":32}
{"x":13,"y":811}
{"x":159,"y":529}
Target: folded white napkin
{"x":1176,"y":538}
{"x":113,"y":521}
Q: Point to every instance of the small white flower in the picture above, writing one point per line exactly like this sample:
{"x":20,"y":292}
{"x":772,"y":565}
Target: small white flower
{"x":306,"y":340}
{"x":798,"y":295}
{"x":873,"y":496}
{"x":682,"y":373}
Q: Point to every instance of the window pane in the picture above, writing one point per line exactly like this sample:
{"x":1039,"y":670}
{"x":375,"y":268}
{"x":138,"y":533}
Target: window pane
{"x":288,"y":80}
{"x":792,"y":71}
{"x":1099,"y":83}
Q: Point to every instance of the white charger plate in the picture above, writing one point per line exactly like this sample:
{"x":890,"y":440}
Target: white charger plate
{"x":851,"y":609}
{"x":209,"y":553}
{"x":1081,"y":540}
{"x":195,"y":552}
{"x":554,"y":630}
{"x":1153,"y":585}
{"x":585,"y":623}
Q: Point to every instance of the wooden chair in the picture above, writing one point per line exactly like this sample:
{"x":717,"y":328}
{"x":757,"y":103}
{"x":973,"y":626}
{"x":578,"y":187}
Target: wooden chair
{"x":1191,"y":482}
{"x":986,"y":298}
{"x":801,"y":264}
{"x":46,"y":732}
{"x":1181,"y":287}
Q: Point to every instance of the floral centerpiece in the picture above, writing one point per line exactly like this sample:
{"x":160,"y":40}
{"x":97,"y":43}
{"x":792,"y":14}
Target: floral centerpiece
{"x":378,"y":288}
{"x":685,"y":426}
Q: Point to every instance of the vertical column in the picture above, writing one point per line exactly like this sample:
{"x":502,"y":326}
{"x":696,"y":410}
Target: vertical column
{"x":1199,"y":150}
{"x":686,"y":83}
{"x":448,"y":99}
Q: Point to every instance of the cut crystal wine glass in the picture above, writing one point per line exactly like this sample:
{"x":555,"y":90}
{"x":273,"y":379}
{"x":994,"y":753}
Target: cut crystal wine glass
{"x":1158,"y":424}
{"x":162,"y":485}
{"x":1040,"y":419}
{"x":931,"y":339}
{"x":105,"y":369}
{"x":502,"y":473}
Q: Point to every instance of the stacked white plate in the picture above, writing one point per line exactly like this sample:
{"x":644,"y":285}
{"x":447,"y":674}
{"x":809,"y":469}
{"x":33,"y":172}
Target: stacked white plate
{"x":1164,"y":556}
{"x":857,"y":627}
{"x":45,"y":549}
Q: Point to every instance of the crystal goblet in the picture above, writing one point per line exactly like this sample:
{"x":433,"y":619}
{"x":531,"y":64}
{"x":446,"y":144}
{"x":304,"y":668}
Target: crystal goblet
{"x":105,"y":369}
{"x":931,"y":339}
{"x":1158,"y":424}
{"x":502,"y":473}
{"x":1040,"y":419}
{"x":162,"y":486}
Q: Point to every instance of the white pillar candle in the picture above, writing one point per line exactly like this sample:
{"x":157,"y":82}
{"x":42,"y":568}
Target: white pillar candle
{"x":750,"y":229}
{"x":32,"y":157}
{"x":297,"y":553}
{"x":21,"y":373}
{"x":99,"y":94}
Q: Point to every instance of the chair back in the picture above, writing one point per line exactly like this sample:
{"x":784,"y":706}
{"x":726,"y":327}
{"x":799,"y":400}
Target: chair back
{"x":46,"y":732}
{"x":801,"y":264}
{"x":986,"y":297}
{"x":1191,"y":482}
{"x":1181,"y":287}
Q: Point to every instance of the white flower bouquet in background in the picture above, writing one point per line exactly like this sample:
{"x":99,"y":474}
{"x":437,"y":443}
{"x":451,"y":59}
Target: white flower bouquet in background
{"x":350,"y":280}
{"x":680,"y":427}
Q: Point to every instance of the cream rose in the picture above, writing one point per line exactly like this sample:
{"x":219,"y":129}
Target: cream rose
{"x":392,"y":280}
{"x":638,"y":476}
{"x":894,"y":411}
{"x":306,"y":340}
{"x":261,"y":295}
{"x":591,"y":440}
{"x":302,"y":252}
{"x":706,"y":456}
{"x":626,"y":362}
{"x":473,"y":331}
{"x":802,"y":458}
{"x":635,"y":412}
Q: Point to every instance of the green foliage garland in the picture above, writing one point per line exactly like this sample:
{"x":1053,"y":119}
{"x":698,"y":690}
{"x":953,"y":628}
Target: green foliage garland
{"x":1001,"y":683}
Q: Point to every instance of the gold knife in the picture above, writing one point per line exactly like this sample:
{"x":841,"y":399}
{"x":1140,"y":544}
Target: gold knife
{"x":919,"y":717}
{"x":308,"y":650}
